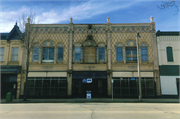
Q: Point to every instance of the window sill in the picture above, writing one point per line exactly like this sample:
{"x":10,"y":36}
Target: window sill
{"x":119,"y":62}
{"x":2,"y":62}
{"x":47,"y":61}
{"x":101,"y":62}
{"x":144,"y":62}
{"x":13,"y":62}
{"x":78,"y":62}
{"x":131,"y":62}
{"x":60,"y":62}
{"x":35,"y":62}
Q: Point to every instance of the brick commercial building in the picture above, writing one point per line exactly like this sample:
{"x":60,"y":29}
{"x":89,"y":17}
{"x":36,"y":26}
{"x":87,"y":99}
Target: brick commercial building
{"x":69,"y":59}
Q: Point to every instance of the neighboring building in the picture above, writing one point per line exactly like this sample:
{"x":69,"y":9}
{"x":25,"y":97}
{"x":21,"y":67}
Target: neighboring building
{"x":66,"y":55}
{"x":11,"y":46}
{"x":169,"y":62}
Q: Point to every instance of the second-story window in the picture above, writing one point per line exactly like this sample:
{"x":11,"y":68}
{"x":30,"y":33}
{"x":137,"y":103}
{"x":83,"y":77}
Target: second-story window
{"x":60,"y":52}
{"x":77,"y":54}
{"x":144,"y":52}
{"x":131,"y":51}
{"x":119,"y":52}
{"x":1,"y":54}
{"x":131,"y":54}
{"x":14,"y":56}
{"x":35,"y":52}
{"x":48,"y":52}
{"x":169,"y":53}
{"x":101,"y":53}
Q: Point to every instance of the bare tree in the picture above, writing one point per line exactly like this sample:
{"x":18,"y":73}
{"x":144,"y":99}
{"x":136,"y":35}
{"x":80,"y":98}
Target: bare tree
{"x":29,"y":46}
{"x":23,"y":18}
{"x":170,"y":4}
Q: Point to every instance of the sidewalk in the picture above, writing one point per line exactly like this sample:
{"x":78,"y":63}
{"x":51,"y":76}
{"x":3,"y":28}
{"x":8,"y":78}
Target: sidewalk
{"x":93,"y":100}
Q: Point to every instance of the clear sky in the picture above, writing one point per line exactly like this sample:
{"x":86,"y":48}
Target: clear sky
{"x":89,"y":11}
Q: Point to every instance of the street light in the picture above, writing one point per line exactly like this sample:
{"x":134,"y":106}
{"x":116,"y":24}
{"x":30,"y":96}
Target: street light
{"x":138,"y":67}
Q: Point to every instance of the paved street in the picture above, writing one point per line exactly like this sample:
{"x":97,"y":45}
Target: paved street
{"x":90,"y":111}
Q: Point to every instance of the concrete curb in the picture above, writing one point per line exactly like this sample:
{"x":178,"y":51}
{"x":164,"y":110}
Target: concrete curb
{"x":3,"y":101}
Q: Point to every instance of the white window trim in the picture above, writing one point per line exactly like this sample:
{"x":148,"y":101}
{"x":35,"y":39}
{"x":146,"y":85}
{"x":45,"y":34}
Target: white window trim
{"x":14,"y":54}
{"x":2,"y":54}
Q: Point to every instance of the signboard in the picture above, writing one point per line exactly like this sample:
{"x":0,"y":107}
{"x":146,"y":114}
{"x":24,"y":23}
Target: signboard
{"x":133,"y":78}
{"x":88,"y":94}
{"x":89,"y":80}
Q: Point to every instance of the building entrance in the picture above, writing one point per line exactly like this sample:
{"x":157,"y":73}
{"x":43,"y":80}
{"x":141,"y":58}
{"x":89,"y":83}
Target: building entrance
{"x":8,"y":84}
{"x":98,"y":88}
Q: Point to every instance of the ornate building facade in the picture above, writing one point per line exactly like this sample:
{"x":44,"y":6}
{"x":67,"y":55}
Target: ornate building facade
{"x":65,"y":56}
{"x":69,"y":59}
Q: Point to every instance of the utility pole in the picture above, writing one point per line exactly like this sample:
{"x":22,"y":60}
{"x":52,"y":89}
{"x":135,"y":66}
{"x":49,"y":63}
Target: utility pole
{"x":138,"y":67}
{"x":112,"y":81}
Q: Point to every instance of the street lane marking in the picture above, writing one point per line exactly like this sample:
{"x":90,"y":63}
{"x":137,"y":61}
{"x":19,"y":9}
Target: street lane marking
{"x":90,"y":111}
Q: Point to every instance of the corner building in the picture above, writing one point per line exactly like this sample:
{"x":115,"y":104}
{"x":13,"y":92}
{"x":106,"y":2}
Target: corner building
{"x":66,"y":55}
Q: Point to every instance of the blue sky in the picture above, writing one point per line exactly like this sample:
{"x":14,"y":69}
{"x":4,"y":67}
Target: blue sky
{"x":89,"y":11}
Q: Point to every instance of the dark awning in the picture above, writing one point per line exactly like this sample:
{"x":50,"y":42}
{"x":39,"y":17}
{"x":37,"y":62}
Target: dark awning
{"x":10,"y":69}
{"x":89,"y":74}
{"x":169,"y":70}
{"x":8,"y":77}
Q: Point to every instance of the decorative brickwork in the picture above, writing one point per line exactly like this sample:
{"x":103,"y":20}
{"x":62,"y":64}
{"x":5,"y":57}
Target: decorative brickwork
{"x":55,"y":38}
{"x":125,"y":37}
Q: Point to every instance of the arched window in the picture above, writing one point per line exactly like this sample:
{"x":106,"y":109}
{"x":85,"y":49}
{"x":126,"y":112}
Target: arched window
{"x":77,"y":52}
{"x":169,"y":53}
{"x":119,"y":52}
{"x":48,"y":51}
{"x":131,"y":51}
{"x":101,"y":52}
{"x":35,"y":56}
{"x":144,"y":52}
{"x":89,"y":51}
{"x":60,"y":50}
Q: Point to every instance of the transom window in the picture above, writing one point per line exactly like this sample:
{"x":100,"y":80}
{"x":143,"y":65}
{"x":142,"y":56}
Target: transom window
{"x":1,"y":54}
{"x":14,"y":56}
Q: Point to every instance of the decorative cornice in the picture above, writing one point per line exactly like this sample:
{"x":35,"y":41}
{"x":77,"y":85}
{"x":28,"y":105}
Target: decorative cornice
{"x":167,"y":33}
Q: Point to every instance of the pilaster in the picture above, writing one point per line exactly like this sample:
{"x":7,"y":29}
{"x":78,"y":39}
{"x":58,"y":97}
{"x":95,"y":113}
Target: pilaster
{"x":18,"y":86}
